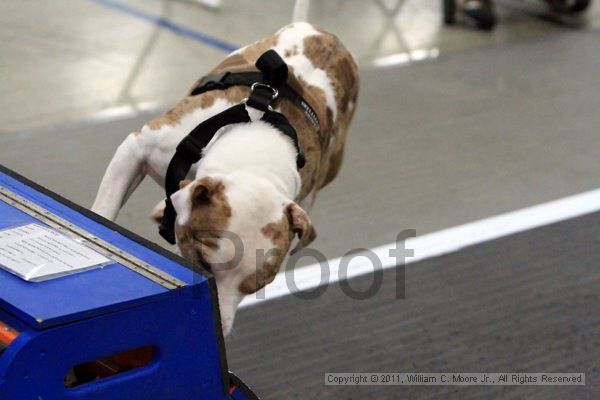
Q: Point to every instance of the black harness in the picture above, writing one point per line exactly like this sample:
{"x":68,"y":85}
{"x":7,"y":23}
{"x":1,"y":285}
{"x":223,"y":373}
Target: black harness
{"x":267,"y":85}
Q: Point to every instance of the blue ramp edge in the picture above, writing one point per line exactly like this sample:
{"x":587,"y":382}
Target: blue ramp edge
{"x":89,"y":293}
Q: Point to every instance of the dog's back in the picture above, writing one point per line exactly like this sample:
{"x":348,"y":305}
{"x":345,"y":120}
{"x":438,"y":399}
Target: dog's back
{"x":322,"y":71}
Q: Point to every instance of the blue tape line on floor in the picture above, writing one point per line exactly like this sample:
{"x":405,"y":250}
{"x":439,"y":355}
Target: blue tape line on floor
{"x":172,"y":26}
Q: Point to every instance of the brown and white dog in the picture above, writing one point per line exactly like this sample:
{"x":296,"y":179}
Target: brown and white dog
{"x":247,"y":182}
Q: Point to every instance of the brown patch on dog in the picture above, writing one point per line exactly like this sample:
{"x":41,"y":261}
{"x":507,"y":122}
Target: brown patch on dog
{"x":210,"y":215}
{"x":301,"y":226}
{"x":334,"y":161}
{"x":326,"y":52}
{"x":255,"y":50}
{"x":323,"y":51}
{"x":189,"y":104}
{"x":281,"y":235}
{"x":292,"y":52}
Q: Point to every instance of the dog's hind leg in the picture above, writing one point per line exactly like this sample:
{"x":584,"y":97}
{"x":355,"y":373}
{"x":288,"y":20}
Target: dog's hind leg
{"x":335,"y":154}
{"x":125,"y":172}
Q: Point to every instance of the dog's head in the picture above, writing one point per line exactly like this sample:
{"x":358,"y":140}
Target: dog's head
{"x":241,"y":228}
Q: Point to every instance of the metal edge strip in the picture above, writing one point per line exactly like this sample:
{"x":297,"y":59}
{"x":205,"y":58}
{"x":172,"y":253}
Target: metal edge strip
{"x":98,"y":244}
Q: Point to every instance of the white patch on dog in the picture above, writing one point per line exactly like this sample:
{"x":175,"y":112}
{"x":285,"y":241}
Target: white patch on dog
{"x":182,"y":204}
{"x":255,"y":147}
{"x":291,"y":38}
{"x":159,"y":145}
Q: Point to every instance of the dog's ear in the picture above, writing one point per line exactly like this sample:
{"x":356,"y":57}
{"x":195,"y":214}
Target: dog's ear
{"x":300,"y":225}
{"x":204,"y":189}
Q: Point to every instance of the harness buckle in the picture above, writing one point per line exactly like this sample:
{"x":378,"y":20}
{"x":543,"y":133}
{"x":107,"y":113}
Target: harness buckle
{"x":214,"y":82}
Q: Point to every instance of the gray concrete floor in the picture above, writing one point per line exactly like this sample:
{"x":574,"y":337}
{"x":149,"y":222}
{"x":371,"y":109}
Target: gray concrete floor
{"x":513,"y":304}
{"x":497,"y":121}
{"x":64,"y":60}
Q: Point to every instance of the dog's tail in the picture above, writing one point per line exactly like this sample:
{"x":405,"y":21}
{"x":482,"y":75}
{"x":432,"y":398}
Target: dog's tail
{"x":300,"y":11}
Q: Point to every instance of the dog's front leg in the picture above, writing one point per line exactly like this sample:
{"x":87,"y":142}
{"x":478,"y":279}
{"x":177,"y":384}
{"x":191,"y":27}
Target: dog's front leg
{"x":123,"y":175}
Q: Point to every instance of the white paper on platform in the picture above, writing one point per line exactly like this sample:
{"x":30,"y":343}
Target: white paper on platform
{"x":36,"y":253}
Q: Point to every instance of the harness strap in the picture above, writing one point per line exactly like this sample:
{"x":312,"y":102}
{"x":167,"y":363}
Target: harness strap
{"x":226,"y":80}
{"x":275,"y":70}
{"x":189,"y":152}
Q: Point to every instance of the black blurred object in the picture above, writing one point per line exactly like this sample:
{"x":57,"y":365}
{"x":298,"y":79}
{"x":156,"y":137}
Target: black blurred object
{"x":482,"y":14}
{"x":479,"y":12}
{"x":569,"y":6}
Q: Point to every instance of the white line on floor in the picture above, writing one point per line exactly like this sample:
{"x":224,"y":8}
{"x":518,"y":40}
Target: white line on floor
{"x":436,"y":244}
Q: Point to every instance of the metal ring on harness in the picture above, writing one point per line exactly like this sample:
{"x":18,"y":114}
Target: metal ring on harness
{"x":271,"y":88}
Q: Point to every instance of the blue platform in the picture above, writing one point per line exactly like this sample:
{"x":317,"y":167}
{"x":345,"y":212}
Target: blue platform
{"x":75,"y":319}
